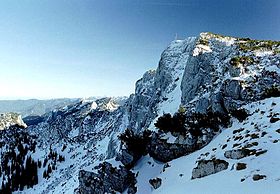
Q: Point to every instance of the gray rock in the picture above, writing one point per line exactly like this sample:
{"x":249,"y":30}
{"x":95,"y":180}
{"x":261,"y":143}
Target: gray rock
{"x":208,"y":167}
{"x":232,"y":89}
{"x":217,"y":103}
{"x":237,"y":154}
{"x":196,"y":74}
{"x":162,"y":151}
{"x":108,"y":180}
{"x":202,"y":105}
{"x":231,"y":104}
{"x":234,"y":71}
{"x":126,"y":158}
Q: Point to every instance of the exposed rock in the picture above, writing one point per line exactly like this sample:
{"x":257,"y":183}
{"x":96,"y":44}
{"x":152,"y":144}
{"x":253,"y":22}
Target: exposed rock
{"x":196,"y":74}
{"x":241,"y":166}
{"x":156,"y":183}
{"x":111,"y":150}
{"x":126,"y":158}
{"x":108,"y":179}
{"x":207,"y":167}
{"x":217,"y":103}
{"x":202,"y":105}
{"x":257,"y":177}
{"x":235,"y":71}
{"x":11,"y":119}
{"x":237,"y":154}
{"x":260,"y":152}
{"x":141,"y":105}
{"x":274,"y":119}
{"x":162,"y":151}
{"x":232,"y":89}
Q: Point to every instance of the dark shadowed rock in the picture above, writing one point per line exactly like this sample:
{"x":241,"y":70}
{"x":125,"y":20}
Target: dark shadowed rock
{"x":257,"y":177}
{"x":241,"y":166}
{"x":126,"y":158}
{"x":163,"y":151}
{"x":156,"y":183}
{"x":108,"y":179}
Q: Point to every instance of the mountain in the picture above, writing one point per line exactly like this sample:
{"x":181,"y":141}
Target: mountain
{"x":206,"y":121}
{"x":33,"y":107}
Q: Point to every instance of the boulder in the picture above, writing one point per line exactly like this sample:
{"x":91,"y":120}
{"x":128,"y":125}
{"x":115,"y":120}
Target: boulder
{"x":156,"y":183}
{"x":207,"y":167}
{"x":108,"y":179}
{"x":237,"y":154}
{"x":240,"y":166}
{"x":163,"y":151}
{"x":257,"y":177}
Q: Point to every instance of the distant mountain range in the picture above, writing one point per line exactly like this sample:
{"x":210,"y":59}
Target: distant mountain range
{"x":34,"y":107}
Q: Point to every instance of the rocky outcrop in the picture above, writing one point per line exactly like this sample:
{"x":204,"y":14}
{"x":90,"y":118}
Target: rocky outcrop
{"x":207,"y":167}
{"x":108,"y":179}
{"x":141,"y":106}
{"x":126,"y":158}
{"x":11,"y":119}
{"x":163,"y":151}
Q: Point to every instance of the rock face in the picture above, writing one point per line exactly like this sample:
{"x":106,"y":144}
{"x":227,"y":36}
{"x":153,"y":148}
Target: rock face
{"x":207,"y":167}
{"x":11,"y":119}
{"x":156,"y":85}
{"x":163,"y":151}
{"x":108,"y":179}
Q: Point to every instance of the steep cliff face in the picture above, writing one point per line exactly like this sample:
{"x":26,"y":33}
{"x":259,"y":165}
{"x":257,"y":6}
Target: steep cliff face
{"x":159,"y":90}
{"x":208,"y":73}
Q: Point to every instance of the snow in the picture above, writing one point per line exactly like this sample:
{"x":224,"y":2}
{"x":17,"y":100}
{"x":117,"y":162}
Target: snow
{"x":260,"y":53}
{"x":200,"y":49}
{"x":93,"y":106}
{"x":177,"y":178}
{"x":273,"y":68}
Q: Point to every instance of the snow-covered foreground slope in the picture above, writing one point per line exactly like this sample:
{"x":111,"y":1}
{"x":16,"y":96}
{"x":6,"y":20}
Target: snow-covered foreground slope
{"x":257,"y":130}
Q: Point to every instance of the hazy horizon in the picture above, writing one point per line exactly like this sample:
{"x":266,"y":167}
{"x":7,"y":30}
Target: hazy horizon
{"x":73,"y":49}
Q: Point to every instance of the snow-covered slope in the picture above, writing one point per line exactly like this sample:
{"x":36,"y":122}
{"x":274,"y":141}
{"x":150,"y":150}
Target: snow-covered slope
{"x":257,"y":132}
{"x":199,"y":75}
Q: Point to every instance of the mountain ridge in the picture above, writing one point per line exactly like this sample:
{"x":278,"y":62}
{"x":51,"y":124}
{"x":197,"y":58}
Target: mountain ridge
{"x":199,"y":75}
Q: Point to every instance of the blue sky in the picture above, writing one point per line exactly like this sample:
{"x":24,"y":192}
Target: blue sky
{"x":80,"y":48}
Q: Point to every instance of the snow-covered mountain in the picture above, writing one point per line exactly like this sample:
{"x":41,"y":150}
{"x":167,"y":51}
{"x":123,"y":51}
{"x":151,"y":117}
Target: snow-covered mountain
{"x":221,"y":134}
{"x":33,"y":107}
